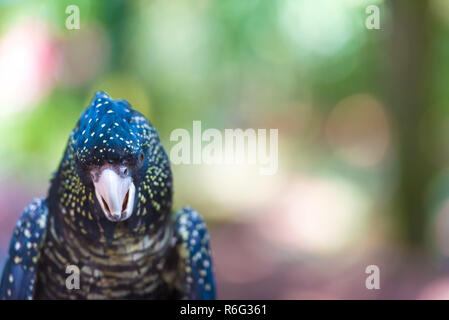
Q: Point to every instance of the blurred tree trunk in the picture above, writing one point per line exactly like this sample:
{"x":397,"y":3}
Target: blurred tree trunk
{"x":408,"y":95}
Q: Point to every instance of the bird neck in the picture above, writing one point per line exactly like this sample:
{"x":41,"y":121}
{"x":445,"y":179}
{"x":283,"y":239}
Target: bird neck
{"x":123,"y":241}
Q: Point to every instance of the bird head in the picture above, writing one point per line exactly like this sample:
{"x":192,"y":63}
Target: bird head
{"x":115,"y":169}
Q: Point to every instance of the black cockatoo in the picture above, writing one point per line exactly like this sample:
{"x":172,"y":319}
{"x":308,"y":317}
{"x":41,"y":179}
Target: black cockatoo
{"x":108,"y":215}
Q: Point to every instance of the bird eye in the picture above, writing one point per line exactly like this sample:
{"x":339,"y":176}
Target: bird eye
{"x":141,"y":156}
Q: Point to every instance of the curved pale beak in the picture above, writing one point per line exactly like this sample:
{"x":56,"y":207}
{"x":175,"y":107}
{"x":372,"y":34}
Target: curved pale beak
{"x":115,"y":194}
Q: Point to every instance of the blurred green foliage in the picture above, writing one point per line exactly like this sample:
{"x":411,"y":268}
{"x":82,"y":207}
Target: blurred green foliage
{"x":283,"y":64}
